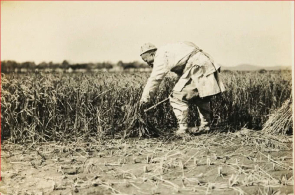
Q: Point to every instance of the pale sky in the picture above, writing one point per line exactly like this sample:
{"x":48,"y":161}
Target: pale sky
{"x":233,"y":33}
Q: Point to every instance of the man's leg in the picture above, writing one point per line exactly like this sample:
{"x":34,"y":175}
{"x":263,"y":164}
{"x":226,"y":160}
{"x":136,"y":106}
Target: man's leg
{"x":180,"y":109}
{"x":204,"y":110}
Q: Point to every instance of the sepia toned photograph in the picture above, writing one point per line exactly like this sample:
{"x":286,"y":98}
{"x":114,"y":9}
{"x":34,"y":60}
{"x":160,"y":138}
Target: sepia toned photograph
{"x":147,"y":97}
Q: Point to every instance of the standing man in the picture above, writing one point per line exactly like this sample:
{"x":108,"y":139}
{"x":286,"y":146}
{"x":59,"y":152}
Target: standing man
{"x":198,"y":80}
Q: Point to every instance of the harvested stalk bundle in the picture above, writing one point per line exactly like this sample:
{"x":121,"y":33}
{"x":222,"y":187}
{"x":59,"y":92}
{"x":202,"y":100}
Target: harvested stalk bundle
{"x":281,"y":121}
{"x":140,"y":125}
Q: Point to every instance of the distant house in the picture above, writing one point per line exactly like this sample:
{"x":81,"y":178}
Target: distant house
{"x":69,"y":70}
{"x":116,"y":69}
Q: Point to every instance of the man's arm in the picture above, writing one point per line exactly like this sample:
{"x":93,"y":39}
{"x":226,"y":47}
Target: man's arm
{"x":158,"y":73}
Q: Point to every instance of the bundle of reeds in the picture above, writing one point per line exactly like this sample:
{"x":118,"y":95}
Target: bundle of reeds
{"x":281,"y":121}
{"x":139,"y":126}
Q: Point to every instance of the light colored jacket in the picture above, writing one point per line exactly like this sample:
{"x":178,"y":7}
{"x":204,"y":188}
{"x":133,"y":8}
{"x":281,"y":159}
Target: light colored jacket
{"x":189,"y":62}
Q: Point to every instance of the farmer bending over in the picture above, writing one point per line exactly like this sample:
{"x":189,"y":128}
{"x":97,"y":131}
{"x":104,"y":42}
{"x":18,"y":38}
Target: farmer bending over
{"x":198,"y":80}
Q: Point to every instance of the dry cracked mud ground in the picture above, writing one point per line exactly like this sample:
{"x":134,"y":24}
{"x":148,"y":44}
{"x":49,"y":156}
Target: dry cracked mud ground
{"x":245,"y":162}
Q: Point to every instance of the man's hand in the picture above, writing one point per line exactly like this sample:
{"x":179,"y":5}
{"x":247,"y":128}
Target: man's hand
{"x":143,"y":103}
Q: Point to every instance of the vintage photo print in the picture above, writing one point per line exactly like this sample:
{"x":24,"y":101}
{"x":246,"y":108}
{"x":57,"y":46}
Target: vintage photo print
{"x":147,"y":97}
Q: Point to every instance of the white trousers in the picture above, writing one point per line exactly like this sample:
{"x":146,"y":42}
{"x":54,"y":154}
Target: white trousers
{"x":189,"y":95}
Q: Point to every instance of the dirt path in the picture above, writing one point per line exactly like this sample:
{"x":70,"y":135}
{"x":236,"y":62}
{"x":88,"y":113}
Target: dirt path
{"x":239,"y":163}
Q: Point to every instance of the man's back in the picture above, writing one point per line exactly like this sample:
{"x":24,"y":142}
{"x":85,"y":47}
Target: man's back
{"x":172,"y":54}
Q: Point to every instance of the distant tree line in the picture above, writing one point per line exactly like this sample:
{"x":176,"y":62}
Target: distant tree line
{"x":13,"y":66}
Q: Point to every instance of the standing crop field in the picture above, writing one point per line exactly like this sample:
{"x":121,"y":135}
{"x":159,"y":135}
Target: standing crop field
{"x":60,"y":137}
{"x":44,"y":107}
